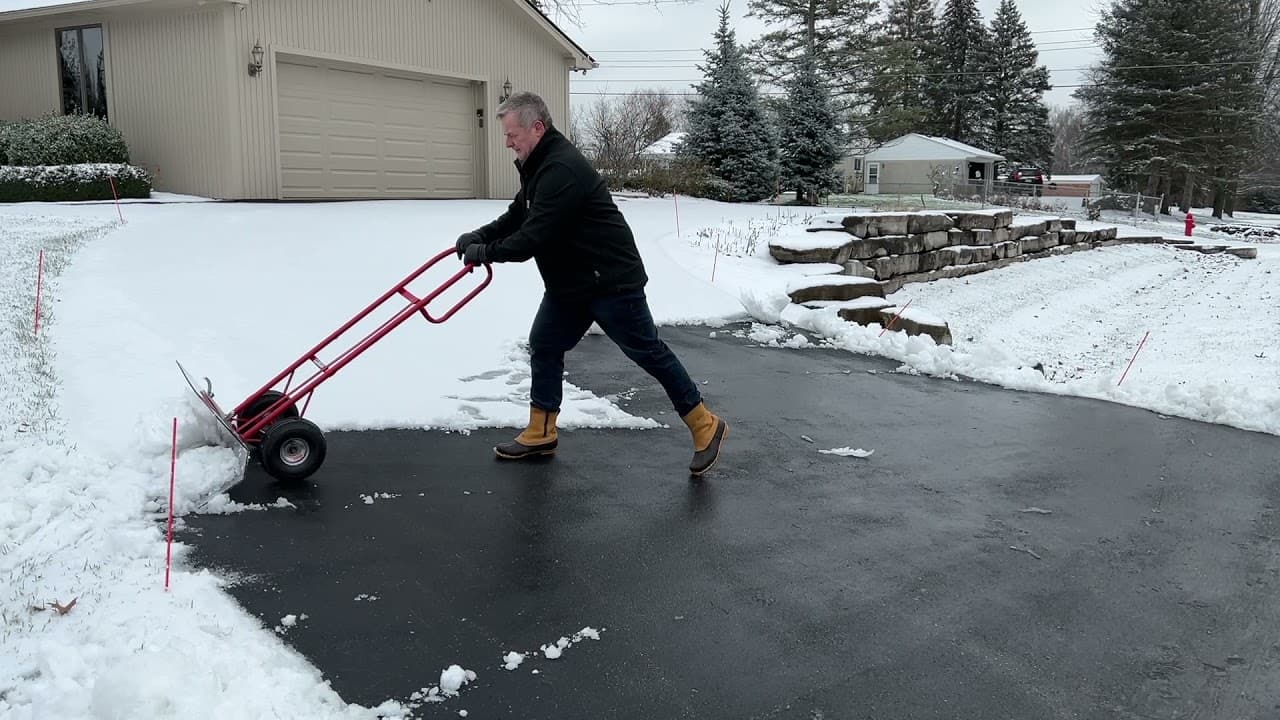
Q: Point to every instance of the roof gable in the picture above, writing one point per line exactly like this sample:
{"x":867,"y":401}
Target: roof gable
{"x":915,"y":146}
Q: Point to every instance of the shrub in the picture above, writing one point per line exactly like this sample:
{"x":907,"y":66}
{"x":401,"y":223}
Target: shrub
{"x":4,"y":141}
{"x":60,"y":183}
{"x":680,"y":177}
{"x":62,"y":140}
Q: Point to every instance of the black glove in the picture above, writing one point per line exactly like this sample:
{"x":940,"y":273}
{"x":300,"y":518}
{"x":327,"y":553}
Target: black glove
{"x":475,"y":254}
{"x":466,"y":240}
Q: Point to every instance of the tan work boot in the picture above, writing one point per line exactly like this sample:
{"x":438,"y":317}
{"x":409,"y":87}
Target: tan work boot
{"x":538,"y":439}
{"x":708,"y":432}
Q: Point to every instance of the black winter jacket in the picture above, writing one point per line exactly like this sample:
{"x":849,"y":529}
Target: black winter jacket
{"x":565,"y":219}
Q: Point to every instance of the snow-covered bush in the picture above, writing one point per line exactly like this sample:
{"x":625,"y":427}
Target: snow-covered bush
{"x":683,"y":177}
{"x":62,"y":140}
{"x":89,"y":181}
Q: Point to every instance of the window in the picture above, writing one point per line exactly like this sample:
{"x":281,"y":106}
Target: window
{"x":873,"y":173}
{"x":83,"y":70}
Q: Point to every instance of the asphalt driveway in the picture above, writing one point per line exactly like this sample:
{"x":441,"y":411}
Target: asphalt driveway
{"x":1001,"y":555}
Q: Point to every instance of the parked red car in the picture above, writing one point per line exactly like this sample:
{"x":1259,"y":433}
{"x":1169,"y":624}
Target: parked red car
{"x":1027,"y":174}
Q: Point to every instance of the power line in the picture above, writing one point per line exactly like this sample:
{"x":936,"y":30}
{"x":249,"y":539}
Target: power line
{"x":962,"y":73}
{"x":780,"y":92}
{"x":676,"y":62}
{"x":645,"y":50}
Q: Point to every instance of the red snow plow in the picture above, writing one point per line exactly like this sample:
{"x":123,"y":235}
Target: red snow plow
{"x":289,"y":446}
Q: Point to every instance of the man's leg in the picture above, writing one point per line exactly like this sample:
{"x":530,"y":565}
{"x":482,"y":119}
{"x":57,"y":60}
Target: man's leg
{"x":556,"y":329}
{"x":626,"y":319}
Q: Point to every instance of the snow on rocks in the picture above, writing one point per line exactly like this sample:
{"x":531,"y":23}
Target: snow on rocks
{"x":832,"y":287}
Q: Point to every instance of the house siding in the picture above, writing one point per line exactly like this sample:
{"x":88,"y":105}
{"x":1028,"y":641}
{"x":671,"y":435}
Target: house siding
{"x":167,"y":69}
{"x":163,"y":71}
{"x":485,"y":41}
{"x":908,"y":176}
{"x":29,"y":81}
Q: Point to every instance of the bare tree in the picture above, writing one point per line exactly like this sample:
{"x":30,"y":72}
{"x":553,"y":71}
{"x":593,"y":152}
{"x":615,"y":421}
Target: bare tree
{"x":1070,"y":155}
{"x":1262,"y":172}
{"x":615,"y":130}
{"x":570,"y":11}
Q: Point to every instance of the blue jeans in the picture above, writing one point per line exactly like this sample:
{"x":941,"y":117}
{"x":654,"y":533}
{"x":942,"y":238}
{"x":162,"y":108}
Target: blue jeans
{"x":626,"y":319}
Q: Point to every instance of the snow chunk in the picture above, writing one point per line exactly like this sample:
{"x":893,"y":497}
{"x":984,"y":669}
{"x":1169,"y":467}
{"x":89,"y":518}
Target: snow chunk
{"x":512,"y":660}
{"x":848,"y":452}
{"x":453,"y":678}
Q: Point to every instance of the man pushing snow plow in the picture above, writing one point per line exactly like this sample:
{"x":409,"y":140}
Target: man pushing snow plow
{"x":563,"y":218}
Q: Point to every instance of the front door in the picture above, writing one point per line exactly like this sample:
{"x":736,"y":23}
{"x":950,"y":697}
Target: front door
{"x":873,"y":178}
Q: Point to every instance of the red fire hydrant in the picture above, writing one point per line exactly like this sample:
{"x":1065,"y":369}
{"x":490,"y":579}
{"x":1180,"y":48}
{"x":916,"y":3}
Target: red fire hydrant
{"x":1191,"y":223}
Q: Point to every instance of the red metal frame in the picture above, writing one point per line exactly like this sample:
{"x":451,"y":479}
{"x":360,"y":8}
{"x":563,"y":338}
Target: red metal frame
{"x":249,"y":429}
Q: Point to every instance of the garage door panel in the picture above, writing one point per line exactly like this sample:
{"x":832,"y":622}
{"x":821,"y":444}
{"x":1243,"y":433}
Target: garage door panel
{"x":365,"y":133}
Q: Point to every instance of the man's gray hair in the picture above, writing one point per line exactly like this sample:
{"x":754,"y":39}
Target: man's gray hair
{"x":528,"y":109}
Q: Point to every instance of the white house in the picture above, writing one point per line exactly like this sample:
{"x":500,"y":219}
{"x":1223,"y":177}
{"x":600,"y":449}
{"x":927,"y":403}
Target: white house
{"x":914,"y":163}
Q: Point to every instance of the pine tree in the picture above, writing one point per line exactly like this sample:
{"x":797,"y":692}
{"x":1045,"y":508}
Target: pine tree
{"x":838,"y":32}
{"x":1017,"y":121}
{"x":899,"y":86}
{"x":729,"y":131}
{"x":1176,"y":99}
{"x":811,"y":146}
{"x":958,"y":92}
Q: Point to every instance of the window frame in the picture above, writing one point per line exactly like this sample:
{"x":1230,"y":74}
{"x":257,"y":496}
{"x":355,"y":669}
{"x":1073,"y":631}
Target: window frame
{"x":84,"y":100}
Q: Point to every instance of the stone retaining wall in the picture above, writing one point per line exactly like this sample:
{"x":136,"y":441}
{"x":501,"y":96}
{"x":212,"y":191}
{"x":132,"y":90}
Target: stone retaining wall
{"x":885,"y":251}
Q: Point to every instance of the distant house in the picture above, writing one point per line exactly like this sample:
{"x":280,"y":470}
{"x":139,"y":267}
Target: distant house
{"x":663,"y":150}
{"x":1073,"y":186}
{"x":914,"y":163}
{"x":294,"y":99}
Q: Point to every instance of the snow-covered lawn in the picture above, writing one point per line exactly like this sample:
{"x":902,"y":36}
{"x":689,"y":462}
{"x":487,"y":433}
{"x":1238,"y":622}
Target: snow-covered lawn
{"x":237,"y":291}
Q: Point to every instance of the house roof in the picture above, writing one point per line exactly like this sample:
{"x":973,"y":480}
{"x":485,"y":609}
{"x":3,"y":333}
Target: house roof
{"x":915,"y":146}
{"x":666,"y":145}
{"x":12,"y":10}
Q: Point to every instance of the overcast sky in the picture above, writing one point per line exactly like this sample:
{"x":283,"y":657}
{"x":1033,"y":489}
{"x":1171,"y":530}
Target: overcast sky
{"x":642,"y":46}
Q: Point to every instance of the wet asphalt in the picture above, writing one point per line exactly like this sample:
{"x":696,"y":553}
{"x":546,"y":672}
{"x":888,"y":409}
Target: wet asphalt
{"x":1000,"y":555}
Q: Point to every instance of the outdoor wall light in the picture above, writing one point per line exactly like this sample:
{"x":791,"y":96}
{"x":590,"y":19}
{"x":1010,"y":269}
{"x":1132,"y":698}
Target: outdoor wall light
{"x":255,"y":67}
{"x":506,"y":91}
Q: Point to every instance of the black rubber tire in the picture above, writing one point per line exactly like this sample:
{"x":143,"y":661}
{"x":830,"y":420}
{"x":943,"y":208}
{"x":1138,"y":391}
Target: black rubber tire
{"x":292,"y":449}
{"x":266,"y":400}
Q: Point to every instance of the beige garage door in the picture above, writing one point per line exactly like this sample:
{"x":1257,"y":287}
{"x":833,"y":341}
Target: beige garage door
{"x":352,"y":132}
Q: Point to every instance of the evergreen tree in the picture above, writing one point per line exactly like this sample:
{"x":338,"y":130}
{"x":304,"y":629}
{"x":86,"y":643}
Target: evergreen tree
{"x":958,"y":91}
{"x":1017,"y":123}
{"x":811,"y":146}
{"x":837,"y":32}
{"x":1176,"y":99}
{"x":902,"y":62}
{"x":729,"y":131}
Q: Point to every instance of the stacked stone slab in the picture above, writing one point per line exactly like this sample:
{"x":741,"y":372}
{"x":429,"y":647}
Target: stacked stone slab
{"x":861,"y":300}
{"x":899,"y":248}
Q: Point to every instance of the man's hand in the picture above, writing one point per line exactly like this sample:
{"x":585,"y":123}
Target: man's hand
{"x":466,"y":240}
{"x":475,"y":254}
